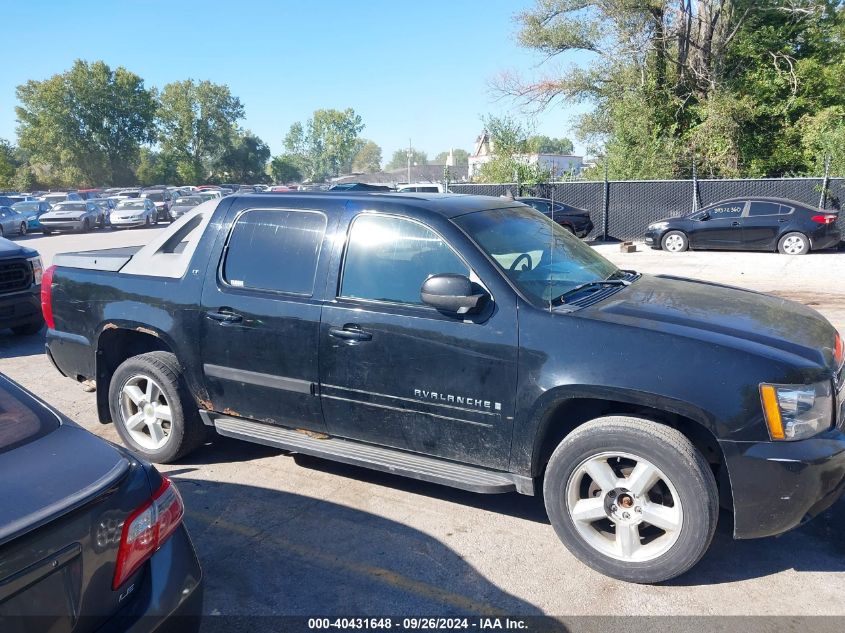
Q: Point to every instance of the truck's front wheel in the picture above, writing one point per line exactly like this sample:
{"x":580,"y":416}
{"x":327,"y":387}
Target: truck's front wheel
{"x":152,"y":409}
{"x":631,"y":498}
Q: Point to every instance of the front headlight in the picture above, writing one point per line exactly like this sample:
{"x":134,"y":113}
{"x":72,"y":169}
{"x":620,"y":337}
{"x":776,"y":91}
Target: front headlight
{"x":37,"y":269}
{"x":795,"y":412}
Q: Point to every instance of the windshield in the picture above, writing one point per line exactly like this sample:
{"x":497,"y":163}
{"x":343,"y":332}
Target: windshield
{"x":25,"y":207}
{"x":131,"y":204}
{"x":539,"y":256}
{"x":70,"y":206}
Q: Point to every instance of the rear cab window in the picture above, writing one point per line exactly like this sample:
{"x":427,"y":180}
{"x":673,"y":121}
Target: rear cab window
{"x":274,"y":250}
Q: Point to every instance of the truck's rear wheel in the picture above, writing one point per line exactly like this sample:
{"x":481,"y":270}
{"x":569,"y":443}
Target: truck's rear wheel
{"x":152,"y":409}
{"x":632,"y":499}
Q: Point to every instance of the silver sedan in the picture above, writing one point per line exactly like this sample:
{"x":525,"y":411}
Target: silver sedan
{"x":11,"y":222}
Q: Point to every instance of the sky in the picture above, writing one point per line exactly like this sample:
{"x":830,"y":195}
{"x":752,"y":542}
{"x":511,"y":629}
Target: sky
{"x":412,"y":70}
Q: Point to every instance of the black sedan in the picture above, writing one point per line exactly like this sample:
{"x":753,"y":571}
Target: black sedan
{"x":573,"y":219}
{"x":748,"y":224}
{"x":91,"y":538}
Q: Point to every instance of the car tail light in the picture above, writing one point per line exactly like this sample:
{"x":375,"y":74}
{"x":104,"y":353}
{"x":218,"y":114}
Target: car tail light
{"x":824,"y":219}
{"x":47,"y":297}
{"x":146,"y":529}
{"x":838,"y":350}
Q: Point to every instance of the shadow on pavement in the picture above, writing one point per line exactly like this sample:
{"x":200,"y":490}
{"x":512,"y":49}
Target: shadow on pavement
{"x":15,"y":346}
{"x":817,"y":546}
{"x":269,"y":553}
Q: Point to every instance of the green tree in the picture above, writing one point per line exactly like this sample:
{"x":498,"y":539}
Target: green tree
{"x":510,"y":142}
{"x":244,"y":160}
{"x":400,"y":158}
{"x":325,"y":144}
{"x":548,"y":145}
{"x":86,"y":124}
{"x":155,"y":168}
{"x":8,"y":165}
{"x":461,"y":157}
{"x":726,"y":81}
{"x":197,"y":124}
{"x":283,"y":169}
{"x":367,"y":158}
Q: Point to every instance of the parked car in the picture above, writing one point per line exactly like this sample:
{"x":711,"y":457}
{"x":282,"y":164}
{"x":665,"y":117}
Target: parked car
{"x":752,"y":224}
{"x":571,"y":218}
{"x":453,"y":339}
{"x":107,"y":205}
{"x":89,"y":194}
{"x":358,"y":186}
{"x":134,"y":212}
{"x":422,"y":187}
{"x":20,"y":288}
{"x":209,"y":194}
{"x":11,"y":222}
{"x":72,"y":215}
{"x":161,"y":199}
{"x":92,"y":538}
{"x":32,"y":210}
{"x":56,"y":197}
{"x":129,"y":193}
{"x":183,"y":204}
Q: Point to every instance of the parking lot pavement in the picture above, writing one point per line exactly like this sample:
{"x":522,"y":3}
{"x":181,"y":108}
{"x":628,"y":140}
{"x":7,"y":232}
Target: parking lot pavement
{"x":278,"y":534}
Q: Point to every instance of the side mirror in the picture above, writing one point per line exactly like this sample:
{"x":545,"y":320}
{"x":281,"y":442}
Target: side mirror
{"x":452,"y":293}
{"x":704,"y":217}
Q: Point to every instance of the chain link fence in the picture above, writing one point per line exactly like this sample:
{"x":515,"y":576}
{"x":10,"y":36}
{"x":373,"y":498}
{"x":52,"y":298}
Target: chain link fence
{"x":626,"y":207}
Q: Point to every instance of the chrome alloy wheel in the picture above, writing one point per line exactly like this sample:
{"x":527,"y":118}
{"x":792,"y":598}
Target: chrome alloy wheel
{"x":674,"y":243}
{"x":624,"y":507}
{"x":146,"y":412}
{"x":793,"y":245}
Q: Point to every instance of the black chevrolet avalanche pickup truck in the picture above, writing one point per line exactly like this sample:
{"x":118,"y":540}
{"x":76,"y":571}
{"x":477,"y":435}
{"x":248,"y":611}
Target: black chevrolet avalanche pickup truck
{"x":472,"y":342}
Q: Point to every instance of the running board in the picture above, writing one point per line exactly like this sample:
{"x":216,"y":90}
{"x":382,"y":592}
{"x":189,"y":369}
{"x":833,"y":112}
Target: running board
{"x":388,"y":460}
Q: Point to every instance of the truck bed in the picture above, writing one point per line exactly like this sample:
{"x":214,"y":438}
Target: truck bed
{"x":109,"y":259}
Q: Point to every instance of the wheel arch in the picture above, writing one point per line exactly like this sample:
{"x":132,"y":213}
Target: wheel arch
{"x":564,"y":412}
{"x":115,"y":343}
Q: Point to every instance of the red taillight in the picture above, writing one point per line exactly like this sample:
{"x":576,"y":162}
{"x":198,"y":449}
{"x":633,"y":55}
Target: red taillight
{"x":146,"y":529}
{"x":824,"y":219}
{"x":47,"y":297}
{"x":838,"y":350}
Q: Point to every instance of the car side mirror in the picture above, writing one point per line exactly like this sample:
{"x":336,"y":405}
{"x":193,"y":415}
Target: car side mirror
{"x":704,"y":217}
{"x":452,"y":293}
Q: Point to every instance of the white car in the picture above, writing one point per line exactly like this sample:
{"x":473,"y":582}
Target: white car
{"x":422,"y":187}
{"x":209,"y":194}
{"x":133,"y":212}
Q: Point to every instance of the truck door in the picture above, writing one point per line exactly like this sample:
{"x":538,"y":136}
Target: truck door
{"x":398,"y":373}
{"x":260,"y":318}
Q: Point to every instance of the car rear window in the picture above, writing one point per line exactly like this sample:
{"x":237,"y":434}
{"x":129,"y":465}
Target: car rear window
{"x":22,"y":419}
{"x":276,"y":250}
{"x":764,"y":207}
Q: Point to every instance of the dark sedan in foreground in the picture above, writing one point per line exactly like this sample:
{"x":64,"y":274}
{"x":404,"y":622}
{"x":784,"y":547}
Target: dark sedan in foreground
{"x":573,"y":219}
{"x":91,"y":538}
{"x":749,"y":224}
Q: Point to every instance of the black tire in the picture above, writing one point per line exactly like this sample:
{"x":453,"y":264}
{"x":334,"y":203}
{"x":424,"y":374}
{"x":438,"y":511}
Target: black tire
{"x":684,"y":241}
{"x":668,"y":450}
{"x":23,"y":229}
{"x":1,"y":231}
{"x":785,"y":244}
{"x":568,"y":228}
{"x":147,"y":221}
{"x":86,"y":225}
{"x":187,"y":432}
{"x":46,"y":232}
{"x":29,"y":329}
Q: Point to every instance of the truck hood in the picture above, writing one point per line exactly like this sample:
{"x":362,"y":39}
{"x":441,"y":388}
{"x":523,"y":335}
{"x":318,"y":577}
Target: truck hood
{"x":721,"y":314}
{"x":46,"y":478}
{"x":9,"y":249}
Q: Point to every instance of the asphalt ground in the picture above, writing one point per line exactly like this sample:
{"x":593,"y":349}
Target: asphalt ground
{"x":282,"y":535}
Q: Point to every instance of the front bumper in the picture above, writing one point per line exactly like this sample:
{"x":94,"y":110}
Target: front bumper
{"x":652,"y":238}
{"x":64,"y":225}
{"x":777,"y":486}
{"x":20,"y":308}
{"x":170,"y":594}
{"x":125,"y":222}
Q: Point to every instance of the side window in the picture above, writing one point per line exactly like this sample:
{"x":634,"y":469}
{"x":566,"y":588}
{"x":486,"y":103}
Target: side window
{"x":726,"y":210}
{"x":760,"y":207}
{"x":275,"y":250}
{"x":389,"y":258}
{"x":542,"y":207}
